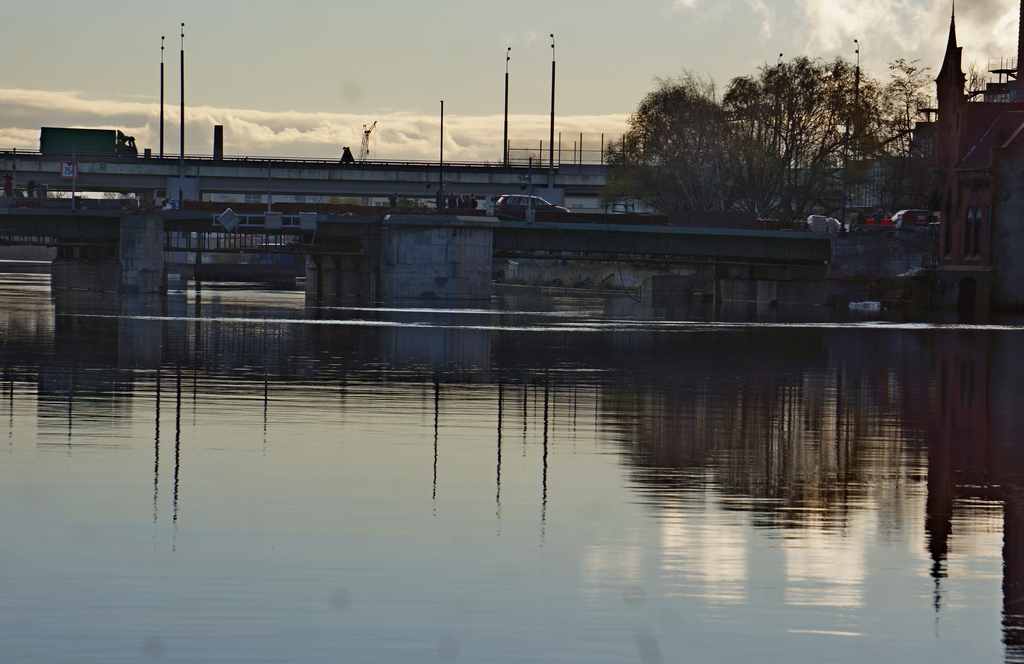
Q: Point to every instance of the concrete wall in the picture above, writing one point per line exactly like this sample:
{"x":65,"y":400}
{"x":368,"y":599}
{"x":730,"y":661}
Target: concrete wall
{"x":599,"y":275}
{"x":135,"y":265}
{"x":141,"y":253}
{"x":340,"y":280}
{"x":450,"y":262}
{"x":880,"y":253}
{"x":95,"y":275}
{"x":1008,"y":238}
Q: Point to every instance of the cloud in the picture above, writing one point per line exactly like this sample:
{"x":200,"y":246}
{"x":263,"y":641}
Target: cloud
{"x":759,"y":8}
{"x":910,"y":28}
{"x":886,"y":29}
{"x":285,"y":133}
{"x":764,"y":15}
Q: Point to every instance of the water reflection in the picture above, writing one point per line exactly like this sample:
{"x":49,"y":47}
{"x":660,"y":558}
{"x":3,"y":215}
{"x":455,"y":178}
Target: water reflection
{"x":804,"y":480}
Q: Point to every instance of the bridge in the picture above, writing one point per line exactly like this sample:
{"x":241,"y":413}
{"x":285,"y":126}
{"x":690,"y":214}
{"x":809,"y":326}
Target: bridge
{"x":369,"y":259}
{"x":206,"y":177}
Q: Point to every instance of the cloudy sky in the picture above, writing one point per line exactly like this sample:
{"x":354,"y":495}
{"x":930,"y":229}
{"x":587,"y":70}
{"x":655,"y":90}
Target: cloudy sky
{"x":301,"y":78}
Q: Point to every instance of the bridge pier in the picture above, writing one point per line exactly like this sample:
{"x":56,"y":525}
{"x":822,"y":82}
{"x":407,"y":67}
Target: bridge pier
{"x":422,"y":259}
{"x":134,"y":265}
{"x":340,"y":280}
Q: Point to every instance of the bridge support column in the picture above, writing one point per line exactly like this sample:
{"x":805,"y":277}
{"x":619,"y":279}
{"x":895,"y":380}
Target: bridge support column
{"x":451,"y":262}
{"x":134,"y":265}
{"x":93,"y":269}
{"x":142,"y":255}
{"x":339,"y":280}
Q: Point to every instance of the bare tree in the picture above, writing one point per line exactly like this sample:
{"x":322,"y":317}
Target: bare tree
{"x":673,"y":154}
{"x":791,"y":126}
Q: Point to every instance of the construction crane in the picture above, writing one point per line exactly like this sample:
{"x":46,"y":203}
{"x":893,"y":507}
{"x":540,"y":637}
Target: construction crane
{"x":364,"y":151}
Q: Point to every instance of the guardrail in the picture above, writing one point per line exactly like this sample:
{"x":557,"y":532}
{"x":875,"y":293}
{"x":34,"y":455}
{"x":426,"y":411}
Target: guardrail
{"x":246,"y":160}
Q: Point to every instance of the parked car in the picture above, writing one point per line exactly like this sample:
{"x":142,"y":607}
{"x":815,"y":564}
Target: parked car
{"x":514,"y":206}
{"x":878,"y":219}
{"x":912,"y":218}
{"x":823,"y":225}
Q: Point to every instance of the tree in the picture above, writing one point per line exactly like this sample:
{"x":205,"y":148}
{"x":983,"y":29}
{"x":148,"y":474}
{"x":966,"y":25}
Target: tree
{"x":794,"y":138}
{"x":792,"y":127}
{"x":673,"y":153}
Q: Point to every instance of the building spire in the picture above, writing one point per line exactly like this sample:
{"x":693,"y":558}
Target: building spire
{"x":1020,"y":56}
{"x":952,"y":44}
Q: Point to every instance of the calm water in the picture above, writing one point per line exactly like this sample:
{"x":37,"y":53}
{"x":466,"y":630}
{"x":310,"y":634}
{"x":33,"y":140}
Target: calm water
{"x":550,"y":480}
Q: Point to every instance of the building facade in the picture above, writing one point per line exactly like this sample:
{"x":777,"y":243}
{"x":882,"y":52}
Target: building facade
{"x":979,"y":150}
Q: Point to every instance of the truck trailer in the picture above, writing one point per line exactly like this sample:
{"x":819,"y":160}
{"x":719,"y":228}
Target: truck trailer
{"x":68,"y":141}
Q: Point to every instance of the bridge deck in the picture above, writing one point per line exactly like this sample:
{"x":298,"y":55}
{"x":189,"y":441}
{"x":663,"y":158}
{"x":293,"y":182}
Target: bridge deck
{"x":314,"y":177}
{"x":189,"y":231}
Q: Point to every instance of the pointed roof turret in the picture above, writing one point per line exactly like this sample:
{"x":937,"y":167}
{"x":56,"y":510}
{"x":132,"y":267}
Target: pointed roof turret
{"x":1020,"y":56}
{"x":952,"y":63}
{"x":952,"y":45}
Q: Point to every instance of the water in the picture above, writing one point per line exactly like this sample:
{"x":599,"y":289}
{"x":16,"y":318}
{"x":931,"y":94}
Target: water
{"x":548,"y":480}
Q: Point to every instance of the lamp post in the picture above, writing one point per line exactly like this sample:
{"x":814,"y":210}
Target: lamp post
{"x":551,"y":137}
{"x":440,"y":187}
{"x":181,"y":146}
{"x":851,"y":131}
{"x":504,"y":142}
{"x":162,"y":49}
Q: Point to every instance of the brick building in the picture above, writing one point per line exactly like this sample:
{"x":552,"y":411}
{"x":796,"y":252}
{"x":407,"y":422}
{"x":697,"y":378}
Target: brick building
{"x":979,"y":149}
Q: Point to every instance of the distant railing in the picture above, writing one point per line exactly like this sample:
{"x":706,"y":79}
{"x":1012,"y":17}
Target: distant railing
{"x":520,"y":159}
{"x":571,"y":149}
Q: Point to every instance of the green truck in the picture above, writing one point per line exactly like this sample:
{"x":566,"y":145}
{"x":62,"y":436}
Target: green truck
{"x":67,"y":141}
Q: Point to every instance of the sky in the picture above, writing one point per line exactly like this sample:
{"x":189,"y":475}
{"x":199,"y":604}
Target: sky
{"x":300,"y":79}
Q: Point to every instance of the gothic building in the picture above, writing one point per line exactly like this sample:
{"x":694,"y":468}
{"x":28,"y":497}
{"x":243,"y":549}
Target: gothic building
{"x":980,"y":155}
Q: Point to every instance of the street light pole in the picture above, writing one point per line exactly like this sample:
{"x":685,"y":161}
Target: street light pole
{"x":504,"y":142}
{"x":850,"y":131}
{"x":440,"y":188}
{"x":551,"y":137}
{"x":162,"y":49}
{"x":181,"y":146}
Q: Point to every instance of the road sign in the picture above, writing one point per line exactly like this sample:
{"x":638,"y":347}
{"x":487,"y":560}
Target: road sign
{"x":229,"y":220}
{"x":68,"y":169}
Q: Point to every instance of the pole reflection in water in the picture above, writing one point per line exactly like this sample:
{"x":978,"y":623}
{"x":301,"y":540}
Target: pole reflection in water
{"x":266,"y":407}
{"x":177,"y":442}
{"x":786,"y":492}
{"x":156,"y":447}
{"x":526,"y":417}
{"x":437,"y":419}
{"x":497,"y":472}
{"x":544,"y":462}
{"x":9,"y":380}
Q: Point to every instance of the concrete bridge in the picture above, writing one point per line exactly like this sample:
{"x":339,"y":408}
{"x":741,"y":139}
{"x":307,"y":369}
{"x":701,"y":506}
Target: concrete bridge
{"x":364,"y":260}
{"x":206,"y":177}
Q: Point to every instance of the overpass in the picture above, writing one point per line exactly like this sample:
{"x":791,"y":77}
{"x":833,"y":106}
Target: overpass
{"x":258,"y":176}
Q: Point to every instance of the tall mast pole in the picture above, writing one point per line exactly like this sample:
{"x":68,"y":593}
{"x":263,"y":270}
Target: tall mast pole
{"x":441,"y":164}
{"x":162,"y":49}
{"x":551,"y":137}
{"x":504,"y":142}
{"x":181,"y":145}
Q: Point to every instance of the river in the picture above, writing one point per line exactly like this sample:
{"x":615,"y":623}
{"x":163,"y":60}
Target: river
{"x":547,"y":478}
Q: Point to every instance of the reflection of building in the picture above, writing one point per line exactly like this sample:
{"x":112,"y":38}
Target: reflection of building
{"x":980,"y":151}
{"x":826,"y":456}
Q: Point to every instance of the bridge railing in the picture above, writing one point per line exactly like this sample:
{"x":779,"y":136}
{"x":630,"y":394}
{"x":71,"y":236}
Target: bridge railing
{"x":519,"y":159}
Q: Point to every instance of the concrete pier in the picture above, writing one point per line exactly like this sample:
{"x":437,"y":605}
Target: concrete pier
{"x":132,"y":265}
{"x":422,"y":258}
{"x":142,"y":255}
{"x":340,"y":280}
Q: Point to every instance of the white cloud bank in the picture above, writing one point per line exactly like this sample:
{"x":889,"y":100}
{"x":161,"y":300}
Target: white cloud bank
{"x":285,"y":133}
{"x":887,"y":29}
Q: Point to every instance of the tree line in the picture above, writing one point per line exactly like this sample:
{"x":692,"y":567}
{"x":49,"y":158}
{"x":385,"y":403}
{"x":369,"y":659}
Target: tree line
{"x":792,"y":139}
